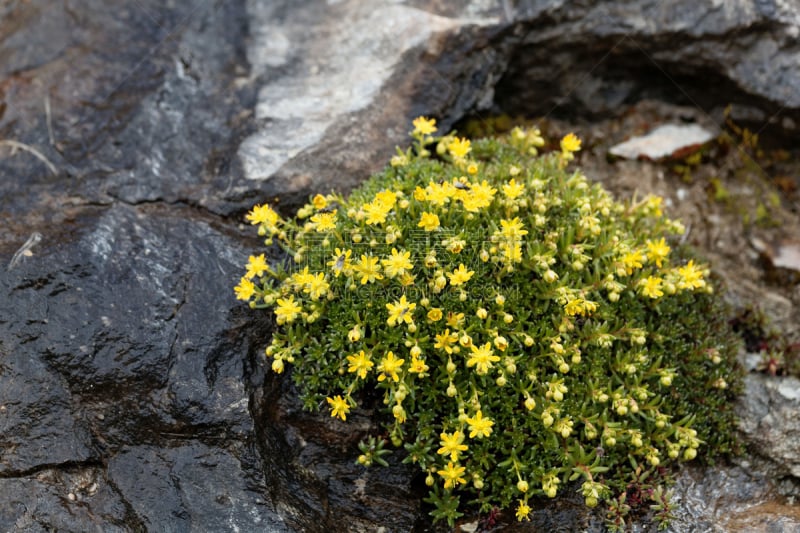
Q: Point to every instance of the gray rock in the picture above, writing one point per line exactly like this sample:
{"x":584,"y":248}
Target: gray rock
{"x":770,"y":417}
{"x":732,"y":498}
{"x":132,"y":389}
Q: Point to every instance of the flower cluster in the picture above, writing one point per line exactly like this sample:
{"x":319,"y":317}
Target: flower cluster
{"x":523,"y":328}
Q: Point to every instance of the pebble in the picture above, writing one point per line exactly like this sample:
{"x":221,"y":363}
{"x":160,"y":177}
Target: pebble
{"x":667,"y":141}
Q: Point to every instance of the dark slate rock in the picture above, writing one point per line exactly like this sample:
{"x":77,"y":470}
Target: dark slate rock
{"x":316,"y":482}
{"x":116,"y":338}
{"x":36,"y":408}
{"x":588,"y":58}
{"x":131,"y":321}
{"x":206,"y":488}
{"x":70,"y":499}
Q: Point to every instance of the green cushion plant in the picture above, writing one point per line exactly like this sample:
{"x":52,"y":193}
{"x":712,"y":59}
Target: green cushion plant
{"x":523,"y":329}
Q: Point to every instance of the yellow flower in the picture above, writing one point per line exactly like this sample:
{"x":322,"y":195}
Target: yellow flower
{"x":512,"y":253}
{"x":428,"y":221}
{"x":500,"y":342}
{"x":341,"y":261}
{"x":424,"y":126}
{"x":513,"y":229}
{"x":579,"y":306}
{"x":472,"y":168}
{"x":401,"y":311}
{"x":452,"y":444}
{"x":479,"y":426}
{"x":651,"y":287}
{"x":398,"y":263}
{"x":691,"y":277}
{"x":439,"y":193}
{"x":339,"y":407}
{"x":657,"y":251}
{"x":376,"y":212}
{"x":523,"y":511}
{"x":570,"y":143}
{"x":324,"y":221}
{"x":256,"y":266}
{"x":287,"y":310}
{"x":406,"y":279}
{"x":459,"y":148}
{"x":368,"y":269}
{"x":653,"y":204}
{"x":632,"y":260}
{"x":385,"y":198}
{"x":263,"y":214}
{"x":389,"y":366}
{"x":417,"y":366}
{"x":460,"y":275}
{"x":245,"y":289}
{"x":317,"y":286}
{"x":360,"y":363}
{"x":302,"y":278}
{"x":399,"y":413}
{"x":452,"y":475}
{"x":454,"y":320}
{"x":444,"y":341}
{"x":435,"y":314}
{"x":480,"y":196}
{"x":482,"y":358}
{"x":512,"y":189}
{"x":319,"y":201}
{"x":420,"y":194}
{"x":456,"y":246}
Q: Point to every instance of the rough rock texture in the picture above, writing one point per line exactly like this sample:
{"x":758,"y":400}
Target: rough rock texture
{"x":134,"y":134}
{"x":770,"y":417}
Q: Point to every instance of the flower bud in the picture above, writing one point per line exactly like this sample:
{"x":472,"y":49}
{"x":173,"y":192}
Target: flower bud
{"x":530,"y":403}
{"x":528,"y":341}
{"x":550,"y":276}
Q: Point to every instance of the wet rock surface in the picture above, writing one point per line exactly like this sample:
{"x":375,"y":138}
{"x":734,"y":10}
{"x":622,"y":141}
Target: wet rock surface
{"x":133,"y":394}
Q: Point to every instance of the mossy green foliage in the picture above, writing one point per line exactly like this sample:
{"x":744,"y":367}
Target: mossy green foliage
{"x":522,"y":328}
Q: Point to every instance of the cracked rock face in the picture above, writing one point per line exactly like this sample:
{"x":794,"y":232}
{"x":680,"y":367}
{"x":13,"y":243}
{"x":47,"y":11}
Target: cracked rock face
{"x":135,"y":134}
